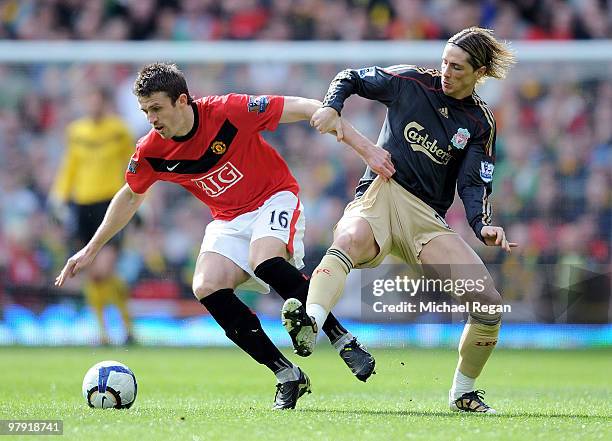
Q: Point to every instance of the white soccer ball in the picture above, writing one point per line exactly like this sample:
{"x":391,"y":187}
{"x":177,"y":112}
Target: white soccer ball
{"x":110,"y":384}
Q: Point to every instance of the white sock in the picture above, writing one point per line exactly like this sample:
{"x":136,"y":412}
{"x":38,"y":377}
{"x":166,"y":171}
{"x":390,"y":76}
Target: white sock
{"x":339,"y":344}
{"x":288,"y":374}
{"x":318,"y":313}
{"x":461,"y":384}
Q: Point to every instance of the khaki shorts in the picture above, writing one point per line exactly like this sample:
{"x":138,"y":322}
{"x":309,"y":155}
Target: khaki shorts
{"x":401,"y":222}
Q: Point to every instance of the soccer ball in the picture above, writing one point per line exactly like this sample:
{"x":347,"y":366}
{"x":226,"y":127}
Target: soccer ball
{"x":110,"y":384}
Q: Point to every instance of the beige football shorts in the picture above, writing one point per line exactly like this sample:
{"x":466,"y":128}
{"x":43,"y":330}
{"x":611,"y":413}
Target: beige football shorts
{"x":401,"y":222}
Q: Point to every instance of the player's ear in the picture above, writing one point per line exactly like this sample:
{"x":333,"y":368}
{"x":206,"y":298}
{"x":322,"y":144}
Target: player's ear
{"x":480,"y":72}
{"x":182,"y":99}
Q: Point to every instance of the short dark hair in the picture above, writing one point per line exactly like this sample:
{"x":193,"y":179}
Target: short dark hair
{"x":161,"y":77}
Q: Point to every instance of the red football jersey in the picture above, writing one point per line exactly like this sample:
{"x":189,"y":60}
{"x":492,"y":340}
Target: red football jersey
{"x":223,"y":160}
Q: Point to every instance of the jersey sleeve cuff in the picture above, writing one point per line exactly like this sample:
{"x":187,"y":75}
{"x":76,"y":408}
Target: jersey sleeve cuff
{"x":477,"y":228}
{"x":336,"y":106}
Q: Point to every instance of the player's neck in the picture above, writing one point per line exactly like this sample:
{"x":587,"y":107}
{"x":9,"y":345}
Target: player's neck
{"x":97,"y":117}
{"x":188,"y":121}
{"x":463,"y":94}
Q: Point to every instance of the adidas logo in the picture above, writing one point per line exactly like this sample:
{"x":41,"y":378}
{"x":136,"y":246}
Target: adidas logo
{"x":443,"y":111}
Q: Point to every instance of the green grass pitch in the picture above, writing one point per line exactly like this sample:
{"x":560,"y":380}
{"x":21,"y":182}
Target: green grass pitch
{"x":220,"y":394}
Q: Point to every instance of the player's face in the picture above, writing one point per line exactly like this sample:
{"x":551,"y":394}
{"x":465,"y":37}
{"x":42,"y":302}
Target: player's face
{"x":95,"y":104}
{"x":167,"y":119}
{"x":458,"y":76}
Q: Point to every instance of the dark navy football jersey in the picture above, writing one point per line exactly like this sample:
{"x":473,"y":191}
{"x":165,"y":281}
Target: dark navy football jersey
{"x":437,"y":143}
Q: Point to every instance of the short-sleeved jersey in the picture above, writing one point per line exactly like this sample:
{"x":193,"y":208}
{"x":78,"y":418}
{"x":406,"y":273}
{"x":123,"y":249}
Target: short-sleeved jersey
{"x":224,"y":161}
{"x":437,"y":143}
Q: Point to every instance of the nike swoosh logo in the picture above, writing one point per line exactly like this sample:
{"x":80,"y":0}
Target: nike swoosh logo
{"x":173,"y":167}
{"x":278,"y":229}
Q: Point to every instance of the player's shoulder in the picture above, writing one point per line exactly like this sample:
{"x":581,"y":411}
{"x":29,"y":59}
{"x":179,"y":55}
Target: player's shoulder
{"x":149,"y":142}
{"x":483,"y":112}
{"x":411,"y":71}
{"x":239,"y":104}
{"x":78,"y":125}
{"x":210,"y":101}
{"x":221,"y":103}
{"x":221,"y":100}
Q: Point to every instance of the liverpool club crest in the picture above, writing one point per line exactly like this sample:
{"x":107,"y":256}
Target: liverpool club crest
{"x":460,"y":139}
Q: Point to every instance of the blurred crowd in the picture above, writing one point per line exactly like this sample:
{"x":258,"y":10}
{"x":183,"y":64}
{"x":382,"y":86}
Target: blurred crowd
{"x":300,"y":19}
{"x":554,"y":145}
{"x":551,"y":188}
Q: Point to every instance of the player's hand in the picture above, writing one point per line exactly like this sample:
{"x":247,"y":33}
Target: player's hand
{"x":76,"y":263}
{"x":379,"y":161}
{"x":327,"y":120}
{"x":58,"y":212}
{"x":496,"y":237}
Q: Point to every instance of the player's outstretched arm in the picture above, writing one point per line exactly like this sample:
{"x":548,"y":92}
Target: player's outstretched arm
{"x":377,"y":158}
{"x":298,"y":109}
{"x":122,"y":208}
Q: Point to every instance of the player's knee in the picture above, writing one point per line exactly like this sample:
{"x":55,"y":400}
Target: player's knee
{"x":344,"y":240}
{"x":492,"y":297}
{"x":203,"y":287}
{"x":489,"y":311}
{"x":354,"y":241}
{"x":95,"y":277}
{"x":104,"y":265}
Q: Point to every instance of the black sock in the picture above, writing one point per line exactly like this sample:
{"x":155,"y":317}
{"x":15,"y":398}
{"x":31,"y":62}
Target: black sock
{"x":243,"y":327}
{"x":289,"y":282}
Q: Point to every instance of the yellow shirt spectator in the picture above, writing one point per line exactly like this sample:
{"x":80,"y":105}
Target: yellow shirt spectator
{"x":98,"y":149}
{"x":93,"y":167}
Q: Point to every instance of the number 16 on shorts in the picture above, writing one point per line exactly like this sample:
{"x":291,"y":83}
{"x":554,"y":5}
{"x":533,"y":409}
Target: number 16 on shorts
{"x":280,"y":220}
{"x":282,"y":216}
